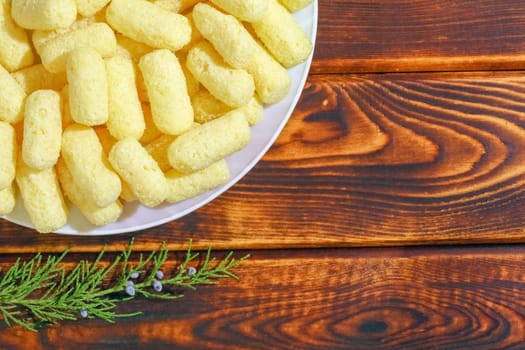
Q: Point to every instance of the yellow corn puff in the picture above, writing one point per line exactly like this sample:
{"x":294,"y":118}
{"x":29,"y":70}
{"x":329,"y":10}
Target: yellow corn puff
{"x":234,"y":87}
{"x":140,"y":171}
{"x":182,"y":186}
{"x":85,"y":159}
{"x":295,"y":5}
{"x":42,"y":129}
{"x":54,"y":52}
{"x":167,"y":91}
{"x":7,"y":200}
{"x":126,"y":118}
{"x":15,"y":48}
{"x":272,"y":80}
{"x":41,"y":37}
{"x":175,"y":5}
{"x":206,"y":107}
{"x":227,"y":35}
{"x":8,"y":153}
{"x":88,"y":8}
{"x":42,"y":197}
{"x":88,"y":87}
{"x":245,"y":10}
{"x":44,"y":14}
{"x":149,"y":24}
{"x":12,"y":98}
{"x":283,"y":36}
{"x":207,"y":143}
{"x":94,"y":214}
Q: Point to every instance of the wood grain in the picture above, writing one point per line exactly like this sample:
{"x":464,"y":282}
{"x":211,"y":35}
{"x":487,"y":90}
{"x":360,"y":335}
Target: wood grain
{"x":389,"y":159}
{"x":419,"y":35}
{"x":422,"y":298}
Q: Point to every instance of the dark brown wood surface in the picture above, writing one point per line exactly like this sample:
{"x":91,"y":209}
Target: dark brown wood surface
{"x":417,"y":298}
{"x":405,"y":152}
{"x":419,"y":35}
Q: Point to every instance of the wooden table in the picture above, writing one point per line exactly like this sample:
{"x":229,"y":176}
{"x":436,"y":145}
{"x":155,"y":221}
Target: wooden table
{"x":388,"y":215}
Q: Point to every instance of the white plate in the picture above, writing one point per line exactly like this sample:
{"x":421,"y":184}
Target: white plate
{"x":137,"y":217}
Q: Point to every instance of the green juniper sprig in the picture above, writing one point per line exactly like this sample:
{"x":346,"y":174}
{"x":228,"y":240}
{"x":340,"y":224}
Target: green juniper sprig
{"x":40,"y":292}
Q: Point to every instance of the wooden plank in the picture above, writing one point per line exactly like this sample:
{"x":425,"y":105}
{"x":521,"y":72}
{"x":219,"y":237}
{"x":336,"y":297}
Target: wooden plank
{"x":419,"y":298}
{"x":366,"y":160}
{"x":419,"y":35}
